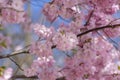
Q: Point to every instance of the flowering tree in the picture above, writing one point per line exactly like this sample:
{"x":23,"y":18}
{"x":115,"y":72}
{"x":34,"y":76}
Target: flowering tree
{"x":86,"y":40}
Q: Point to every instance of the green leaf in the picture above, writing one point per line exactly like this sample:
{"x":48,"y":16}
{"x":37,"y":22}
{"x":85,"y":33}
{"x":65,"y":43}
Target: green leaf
{"x":1,"y":28}
{"x":118,"y":67}
{"x":3,"y":44}
{"x":74,"y":51}
{"x":2,"y":68}
{"x":62,"y":32}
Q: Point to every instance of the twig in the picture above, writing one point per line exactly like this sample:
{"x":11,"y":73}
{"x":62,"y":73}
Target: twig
{"x":61,"y":78}
{"x":14,"y":54}
{"x":98,"y":28}
{"x":94,"y":29}
{"x":22,"y":76}
{"x":16,"y":64}
{"x":33,"y":77}
{"x":11,"y":9}
{"x":54,"y":46}
{"x":90,"y":15}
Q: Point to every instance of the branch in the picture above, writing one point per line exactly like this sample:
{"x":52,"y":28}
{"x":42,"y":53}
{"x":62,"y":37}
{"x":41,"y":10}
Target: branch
{"x":98,"y":28}
{"x":16,"y":64}
{"x":14,"y":54}
{"x":33,"y":77}
{"x":94,"y":29}
{"x":22,"y":76}
{"x":90,"y":15}
{"x":11,"y":9}
{"x":60,"y":78}
{"x":54,"y":46}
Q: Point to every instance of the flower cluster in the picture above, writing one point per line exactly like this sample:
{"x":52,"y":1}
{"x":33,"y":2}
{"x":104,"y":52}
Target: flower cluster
{"x":93,"y":55}
{"x":12,"y":11}
{"x":44,"y":68}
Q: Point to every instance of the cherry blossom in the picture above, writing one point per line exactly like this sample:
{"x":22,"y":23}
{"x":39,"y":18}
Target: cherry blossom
{"x":41,"y":49}
{"x":12,"y":16}
{"x":43,"y":31}
{"x":7,"y":74}
{"x":68,"y":40}
{"x":51,"y":11}
{"x":44,"y":68}
{"x":83,"y":38}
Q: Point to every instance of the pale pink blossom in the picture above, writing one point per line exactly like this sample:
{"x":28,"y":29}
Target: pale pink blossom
{"x":65,"y":40}
{"x":41,"y":49}
{"x":51,"y":11}
{"x":43,"y":31}
{"x":18,"y":5}
{"x":7,"y":74}
{"x":44,"y":68}
{"x":12,"y":16}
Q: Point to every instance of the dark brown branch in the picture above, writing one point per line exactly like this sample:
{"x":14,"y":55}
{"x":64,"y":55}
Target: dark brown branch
{"x":33,"y":77}
{"x":11,"y":9}
{"x":14,"y":54}
{"x":90,"y":15}
{"x":54,"y":46}
{"x":98,"y":28}
{"x":61,"y":78}
{"x":94,"y":29}
{"x":22,"y":76}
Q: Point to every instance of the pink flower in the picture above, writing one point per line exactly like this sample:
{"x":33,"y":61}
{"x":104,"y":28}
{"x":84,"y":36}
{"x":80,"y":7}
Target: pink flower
{"x":18,"y":5}
{"x":51,"y":11}
{"x":65,"y":40}
{"x":43,"y":31}
{"x":12,"y":16}
{"x":43,"y":67}
{"x":41,"y":49}
{"x":7,"y":74}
